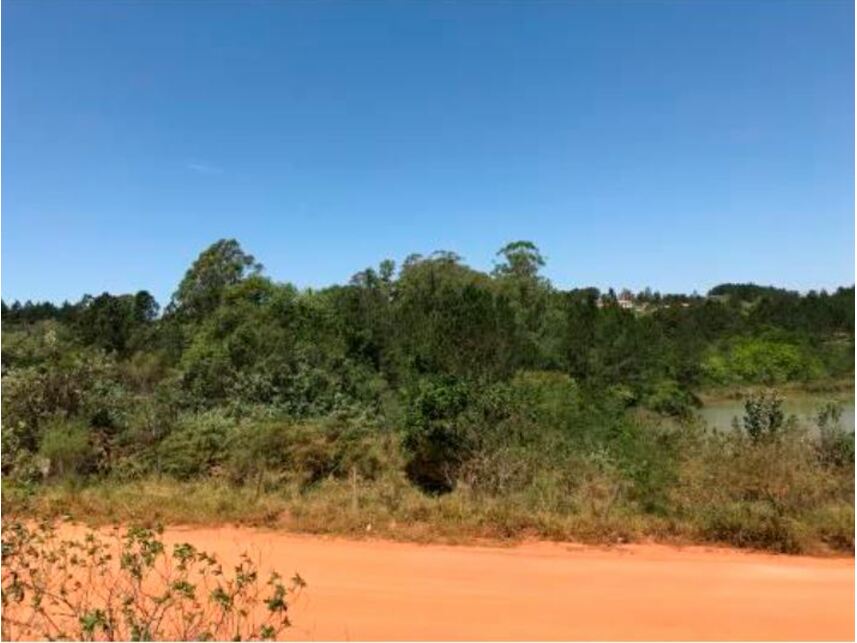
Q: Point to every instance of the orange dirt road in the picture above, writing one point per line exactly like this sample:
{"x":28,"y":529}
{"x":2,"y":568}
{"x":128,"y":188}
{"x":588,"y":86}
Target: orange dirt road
{"x":359,"y":590}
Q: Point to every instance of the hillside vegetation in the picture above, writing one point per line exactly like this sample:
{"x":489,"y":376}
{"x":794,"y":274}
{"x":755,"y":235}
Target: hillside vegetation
{"x":433,"y":400}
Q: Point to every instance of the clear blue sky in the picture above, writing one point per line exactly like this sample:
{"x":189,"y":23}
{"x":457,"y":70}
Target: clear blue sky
{"x":666,"y":144}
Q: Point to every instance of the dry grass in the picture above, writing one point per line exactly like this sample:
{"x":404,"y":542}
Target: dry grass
{"x":391,"y":508}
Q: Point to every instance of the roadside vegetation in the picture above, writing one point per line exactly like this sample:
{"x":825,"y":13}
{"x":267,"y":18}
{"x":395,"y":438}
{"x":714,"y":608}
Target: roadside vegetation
{"x":131,"y":587}
{"x":433,"y":401}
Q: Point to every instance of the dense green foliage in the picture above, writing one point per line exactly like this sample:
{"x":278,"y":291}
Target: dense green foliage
{"x":444,"y":376}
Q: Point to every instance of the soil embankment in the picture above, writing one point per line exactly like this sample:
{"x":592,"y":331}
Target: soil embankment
{"x":362,"y":590}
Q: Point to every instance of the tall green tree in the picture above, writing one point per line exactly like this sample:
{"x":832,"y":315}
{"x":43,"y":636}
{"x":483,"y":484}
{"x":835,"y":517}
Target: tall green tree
{"x":220,"y":265}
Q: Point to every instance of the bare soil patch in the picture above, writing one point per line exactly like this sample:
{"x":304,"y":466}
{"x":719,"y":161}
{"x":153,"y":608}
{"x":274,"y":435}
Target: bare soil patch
{"x":380,"y":590}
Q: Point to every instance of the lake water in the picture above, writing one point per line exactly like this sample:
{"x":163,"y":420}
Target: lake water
{"x":719,"y":414}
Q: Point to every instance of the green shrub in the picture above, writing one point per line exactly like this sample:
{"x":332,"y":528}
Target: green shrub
{"x":339,"y":446}
{"x":308,"y":451}
{"x":764,"y":418}
{"x":762,"y":361}
{"x":551,"y":399}
{"x":33,"y":344}
{"x":647,"y":456}
{"x":754,"y":524}
{"x":77,"y":386}
{"x":68,"y":449}
{"x":436,"y":437}
{"x":199,"y":443}
{"x":670,"y":398}
{"x":835,"y":525}
{"x":835,"y":445}
{"x":256,"y":449}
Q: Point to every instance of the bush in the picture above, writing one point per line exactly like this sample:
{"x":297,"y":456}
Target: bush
{"x":151,"y":595}
{"x":770,"y":493}
{"x":762,"y":361}
{"x":647,"y":456}
{"x":77,"y":387}
{"x":754,"y":524}
{"x":835,"y":525}
{"x":552,"y":399}
{"x":82,"y":385}
{"x":256,"y":449}
{"x":669,"y":398}
{"x":68,"y":449}
{"x":835,"y":446}
{"x":339,"y":447}
{"x":33,"y":344}
{"x":199,"y":443}
{"x":308,"y":451}
{"x":436,"y":437}
{"x":764,"y":418}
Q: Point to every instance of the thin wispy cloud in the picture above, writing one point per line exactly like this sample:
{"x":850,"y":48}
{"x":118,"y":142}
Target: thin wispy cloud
{"x":203,"y":168}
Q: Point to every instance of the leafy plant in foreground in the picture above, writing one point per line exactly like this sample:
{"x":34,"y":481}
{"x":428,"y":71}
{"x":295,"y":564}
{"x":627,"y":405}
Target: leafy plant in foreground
{"x":129,"y":587}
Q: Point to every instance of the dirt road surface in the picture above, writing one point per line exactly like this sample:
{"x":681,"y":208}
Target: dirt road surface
{"x":380,"y":590}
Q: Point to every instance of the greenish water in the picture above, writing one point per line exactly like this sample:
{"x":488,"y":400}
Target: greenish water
{"x":719,"y":414}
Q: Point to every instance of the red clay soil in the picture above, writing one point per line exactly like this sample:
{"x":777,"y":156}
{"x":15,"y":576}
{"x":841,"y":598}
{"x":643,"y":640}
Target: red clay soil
{"x":378,"y":590}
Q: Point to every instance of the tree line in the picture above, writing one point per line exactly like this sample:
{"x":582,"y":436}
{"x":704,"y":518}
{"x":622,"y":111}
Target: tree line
{"x":432,"y":377}
{"x":227,"y":324}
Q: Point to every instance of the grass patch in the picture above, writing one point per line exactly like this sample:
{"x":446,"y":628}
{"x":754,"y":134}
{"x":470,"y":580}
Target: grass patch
{"x":394,"y":509}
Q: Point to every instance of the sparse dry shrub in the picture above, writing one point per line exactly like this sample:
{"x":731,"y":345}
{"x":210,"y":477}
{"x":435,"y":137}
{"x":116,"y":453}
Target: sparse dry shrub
{"x":128,"y":587}
{"x":763,"y":493}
